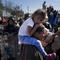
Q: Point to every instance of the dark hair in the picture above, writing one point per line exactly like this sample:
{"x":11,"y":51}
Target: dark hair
{"x":10,"y":19}
{"x":39,"y":12}
{"x":26,"y":16}
{"x":40,"y":29}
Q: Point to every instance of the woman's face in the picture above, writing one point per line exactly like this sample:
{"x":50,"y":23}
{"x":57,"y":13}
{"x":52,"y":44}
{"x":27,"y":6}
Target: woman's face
{"x":38,"y":19}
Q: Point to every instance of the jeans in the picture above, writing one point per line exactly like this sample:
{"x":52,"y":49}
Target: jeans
{"x":32,"y":41}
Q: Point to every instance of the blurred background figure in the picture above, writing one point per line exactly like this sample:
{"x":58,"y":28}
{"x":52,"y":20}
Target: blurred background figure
{"x":44,"y":6}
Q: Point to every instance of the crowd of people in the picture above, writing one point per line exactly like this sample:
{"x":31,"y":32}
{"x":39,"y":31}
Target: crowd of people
{"x":35,"y":30}
{"x":48,"y":32}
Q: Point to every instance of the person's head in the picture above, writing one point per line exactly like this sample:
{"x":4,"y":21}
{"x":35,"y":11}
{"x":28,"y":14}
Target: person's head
{"x":58,"y":31}
{"x":26,"y":16}
{"x":38,"y":16}
{"x":11,"y":21}
{"x":39,"y":33}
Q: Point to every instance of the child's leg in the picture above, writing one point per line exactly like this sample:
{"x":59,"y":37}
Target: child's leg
{"x":35,"y":42}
